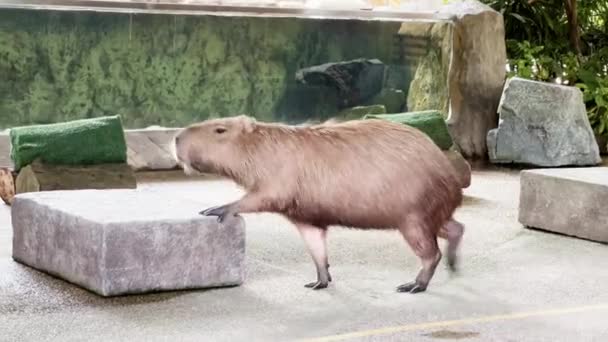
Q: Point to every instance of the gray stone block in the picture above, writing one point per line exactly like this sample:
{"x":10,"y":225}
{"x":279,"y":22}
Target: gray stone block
{"x":570,"y":201}
{"x":115,"y":242}
{"x":542,"y":124}
{"x":150,"y":148}
{"x":5,"y":150}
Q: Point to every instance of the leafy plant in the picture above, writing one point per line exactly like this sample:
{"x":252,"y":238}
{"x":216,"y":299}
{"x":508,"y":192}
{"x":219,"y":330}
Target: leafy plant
{"x":594,"y":85}
{"x":540,"y":47}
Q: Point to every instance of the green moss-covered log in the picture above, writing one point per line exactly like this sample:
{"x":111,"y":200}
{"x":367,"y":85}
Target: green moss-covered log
{"x":84,"y":142}
{"x":430,"y":122}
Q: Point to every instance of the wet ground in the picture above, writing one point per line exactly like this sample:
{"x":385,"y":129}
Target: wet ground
{"x":514,"y":284}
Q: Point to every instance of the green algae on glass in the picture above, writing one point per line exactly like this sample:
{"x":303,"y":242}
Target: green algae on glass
{"x":168,"y":70}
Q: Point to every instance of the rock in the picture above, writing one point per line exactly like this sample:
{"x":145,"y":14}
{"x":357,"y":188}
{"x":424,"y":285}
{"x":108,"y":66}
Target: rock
{"x":46,"y":177}
{"x":5,"y":150}
{"x":356,"y":80}
{"x":430,"y":122}
{"x":542,"y":124}
{"x":150,"y":149}
{"x":426,"y":91}
{"x":116,"y":242}
{"x":397,"y":77}
{"x":476,"y":73}
{"x":462,"y":167}
{"x":7,"y":185}
{"x":570,"y":201}
{"x":303,"y":102}
{"x":430,"y":44}
{"x":392,"y":99}
{"x":355,"y":113}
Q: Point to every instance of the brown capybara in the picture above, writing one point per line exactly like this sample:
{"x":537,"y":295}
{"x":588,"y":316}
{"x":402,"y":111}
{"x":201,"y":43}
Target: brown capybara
{"x":366,"y":174}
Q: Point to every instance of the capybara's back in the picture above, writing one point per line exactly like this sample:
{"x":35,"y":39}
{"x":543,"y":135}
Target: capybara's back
{"x":359,"y":174}
{"x":366,"y":174}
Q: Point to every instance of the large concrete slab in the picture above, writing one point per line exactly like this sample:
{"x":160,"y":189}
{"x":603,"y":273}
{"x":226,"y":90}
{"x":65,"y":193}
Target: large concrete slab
{"x":570,"y":201}
{"x":115,"y":242}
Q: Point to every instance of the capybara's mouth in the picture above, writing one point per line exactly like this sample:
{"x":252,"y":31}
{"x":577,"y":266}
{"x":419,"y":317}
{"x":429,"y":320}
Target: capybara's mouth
{"x":188,"y":168}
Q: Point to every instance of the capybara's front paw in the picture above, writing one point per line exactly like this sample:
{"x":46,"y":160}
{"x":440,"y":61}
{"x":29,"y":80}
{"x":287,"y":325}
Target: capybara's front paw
{"x":221,"y":212}
{"x":317,"y":285}
{"x":413,"y":287}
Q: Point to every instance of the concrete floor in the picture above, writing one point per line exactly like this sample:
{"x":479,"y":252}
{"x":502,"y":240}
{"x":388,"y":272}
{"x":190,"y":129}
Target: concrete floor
{"x":514,"y":285}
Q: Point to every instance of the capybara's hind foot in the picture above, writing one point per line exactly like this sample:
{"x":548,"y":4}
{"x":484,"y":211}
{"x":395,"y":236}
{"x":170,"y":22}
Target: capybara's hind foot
{"x":316,"y":285}
{"x":452,"y":231}
{"x":452,"y":261}
{"x":413,"y":287}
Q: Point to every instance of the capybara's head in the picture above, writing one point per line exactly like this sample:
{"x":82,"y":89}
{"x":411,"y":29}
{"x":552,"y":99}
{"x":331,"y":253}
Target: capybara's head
{"x":211,"y":145}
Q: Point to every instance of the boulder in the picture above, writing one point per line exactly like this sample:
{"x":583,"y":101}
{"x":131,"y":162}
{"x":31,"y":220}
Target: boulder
{"x":427,"y":91}
{"x":355,"y":80}
{"x":476,"y":74}
{"x":542,"y":124}
{"x":392,"y":99}
{"x":569,"y":201}
{"x":360,"y":112}
{"x":116,"y":242}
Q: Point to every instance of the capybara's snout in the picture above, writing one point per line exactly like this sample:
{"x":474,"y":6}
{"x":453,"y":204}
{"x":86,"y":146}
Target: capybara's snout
{"x":179,"y":146}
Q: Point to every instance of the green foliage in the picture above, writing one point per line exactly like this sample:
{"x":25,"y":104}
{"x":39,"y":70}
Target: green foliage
{"x":538,"y":48}
{"x":594,"y":84}
{"x":538,"y":22}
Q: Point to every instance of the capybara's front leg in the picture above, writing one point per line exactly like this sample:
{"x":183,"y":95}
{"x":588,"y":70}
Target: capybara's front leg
{"x":250,"y":203}
{"x":315,"y":238}
{"x":452,"y":231}
{"x":424,"y":244}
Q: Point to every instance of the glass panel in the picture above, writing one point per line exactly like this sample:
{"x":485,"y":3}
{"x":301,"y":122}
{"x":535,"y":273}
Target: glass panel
{"x":171,"y":70}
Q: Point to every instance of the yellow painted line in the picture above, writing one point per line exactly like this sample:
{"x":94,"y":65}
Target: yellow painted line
{"x":459,"y":322}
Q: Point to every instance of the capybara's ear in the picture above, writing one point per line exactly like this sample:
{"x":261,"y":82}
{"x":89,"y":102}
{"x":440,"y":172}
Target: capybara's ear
{"x":247,"y":122}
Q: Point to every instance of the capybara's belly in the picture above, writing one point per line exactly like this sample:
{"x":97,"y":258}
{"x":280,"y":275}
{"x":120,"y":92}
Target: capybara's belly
{"x":373,"y":202}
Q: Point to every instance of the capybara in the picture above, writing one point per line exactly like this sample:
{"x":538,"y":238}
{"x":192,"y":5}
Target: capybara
{"x":365,"y":174}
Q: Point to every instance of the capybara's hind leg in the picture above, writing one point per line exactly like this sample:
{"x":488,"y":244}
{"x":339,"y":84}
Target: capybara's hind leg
{"x":452,"y":231}
{"x":424,"y":244}
{"x":315,"y":238}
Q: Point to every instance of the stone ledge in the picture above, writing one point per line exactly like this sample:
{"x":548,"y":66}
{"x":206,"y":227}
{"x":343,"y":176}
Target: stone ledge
{"x":569,"y":201}
{"x":150,"y":148}
{"x":130,"y":241}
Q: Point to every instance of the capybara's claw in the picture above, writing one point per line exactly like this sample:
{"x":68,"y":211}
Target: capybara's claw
{"x":413,"y":287}
{"x":317,"y":285}
{"x":220,"y":211}
{"x":452,"y":264}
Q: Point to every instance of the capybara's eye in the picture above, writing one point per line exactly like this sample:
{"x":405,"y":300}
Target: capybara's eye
{"x":220,"y":130}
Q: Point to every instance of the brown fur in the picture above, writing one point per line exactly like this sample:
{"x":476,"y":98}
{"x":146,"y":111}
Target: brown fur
{"x":361,"y":174}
